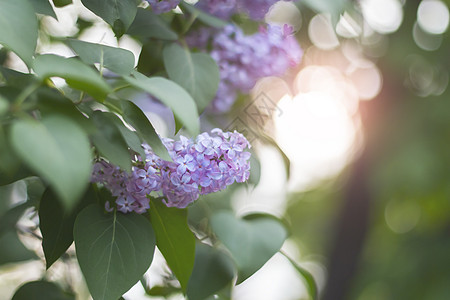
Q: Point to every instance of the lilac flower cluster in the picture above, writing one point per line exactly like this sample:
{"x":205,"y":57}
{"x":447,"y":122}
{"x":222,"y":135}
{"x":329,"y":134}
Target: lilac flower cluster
{"x":207,"y":165}
{"x":255,"y":9}
{"x":162,"y":6}
{"x":245,"y":59}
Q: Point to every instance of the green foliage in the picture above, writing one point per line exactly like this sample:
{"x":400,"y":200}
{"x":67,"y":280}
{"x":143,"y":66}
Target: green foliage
{"x":19,"y":28}
{"x":117,"y":60}
{"x":57,"y":225}
{"x":64,"y":114}
{"x":76,"y":74}
{"x":12,"y":250}
{"x":117,"y":13}
{"x":43,"y":7}
{"x":172,"y":95}
{"x":213,"y":271}
{"x":109,"y":141}
{"x":113,"y":250}
{"x":174,"y":239}
{"x":36,"y":290}
{"x":136,"y":118}
{"x":61,"y":154}
{"x":196,"y":72}
{"x":148,"y":25}
{"x":251,"y":241}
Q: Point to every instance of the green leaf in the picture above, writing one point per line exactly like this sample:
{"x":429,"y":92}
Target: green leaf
{"x":76,"y":73}
{"x":251,"y":242}
{"x":17,"y":79}
{"x":174,"y":239}
{"x":12,"y":250}
{"x":113,"y":250}
{"x":19,"y":28}
{"x":172,"y":95}
{"x":109,"y":141}
{"x":213,"y":270}
{"x":51,"y":102}
{"x":198,"y":73}
{"x":130,"y":137}
{"x":117,"y":13}
{"x":61,"y":3}
{"x":9,"y":219}
{"x":37,"y":290}
{"x":117,"y":60}
{"x":202,"y":16}
{"x":151,"y":58}
{"x":43,"y":7}
{"x":57,"y":225}
{"x":149,"y":25}
{"x":136,"y":118}
{"x":59,"y":151}
{"x":311,"y":285}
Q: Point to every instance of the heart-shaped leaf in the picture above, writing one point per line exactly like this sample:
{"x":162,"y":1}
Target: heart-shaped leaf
{"x":114,"y":250}
{"x":198,"y":73}
{"x":19,"y":28}
{"x":59,"y":151}
{"x":174,"y":239}
{"x":252,"y":242}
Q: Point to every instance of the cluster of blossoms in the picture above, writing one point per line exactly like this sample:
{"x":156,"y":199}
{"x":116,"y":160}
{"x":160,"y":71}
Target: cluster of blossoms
{"x":245,"y":59}
{"x":255,"y":9}
{"x":209,"y":164}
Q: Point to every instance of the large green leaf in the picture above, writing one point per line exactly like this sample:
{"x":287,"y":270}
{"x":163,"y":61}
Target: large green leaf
{"x":252,"y":242}
{"x":117,"y":13}
{"x":136,"y":118}
{"x":213,"y":271}
{"x":114,"y":250}
{"x":172,"y":95}
{"x":149,"y":25}
{"x":43,"y":7}
{"x":109,"y":141}
{"x":117,"y":60}
{"x":59,"y":151}
{"x":198,"y":73}
{"x":57,"y":225}
{"x":38,"y":290}
{"x":174,"y":239}
{"x":12,"y":250}
{"x":19,"y":28}
{"x":76,"y":73}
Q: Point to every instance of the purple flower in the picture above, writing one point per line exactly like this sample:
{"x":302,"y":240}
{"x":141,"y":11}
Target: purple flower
{"x":242,"y":59}
{"x":211,"y":163}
